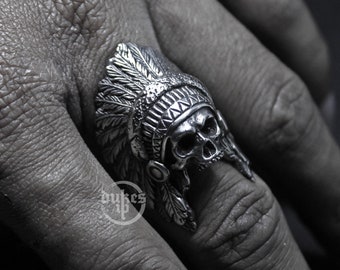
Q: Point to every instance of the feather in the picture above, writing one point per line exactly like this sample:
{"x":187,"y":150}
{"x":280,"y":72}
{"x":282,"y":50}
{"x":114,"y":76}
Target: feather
{"x":116,"y":75}
{"x":132,"y":68}
{"x":112,"y":151}
{"x":113,"y":100}
{"x":136,"y":63}
{"x":109,"y":88}
{"x":111,"y":120}
{"x":114,"y":109}
{"x":109,"y":135}
{"x":148,"y":63}
{"x":174,"y":205}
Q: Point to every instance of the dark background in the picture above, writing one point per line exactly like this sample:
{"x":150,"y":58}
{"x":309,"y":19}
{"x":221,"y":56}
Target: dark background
{"x":326,"y":13}
{"x":15,"y":255}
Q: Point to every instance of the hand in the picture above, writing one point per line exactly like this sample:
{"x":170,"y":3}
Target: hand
{"x":53,"y":55}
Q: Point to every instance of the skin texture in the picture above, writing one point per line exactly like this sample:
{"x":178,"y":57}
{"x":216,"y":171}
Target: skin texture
{"x":53,"y":53}
{"x":303,"y":53}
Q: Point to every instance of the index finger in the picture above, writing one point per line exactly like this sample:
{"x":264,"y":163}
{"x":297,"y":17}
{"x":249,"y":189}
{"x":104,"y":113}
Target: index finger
{"x":51,"y":184}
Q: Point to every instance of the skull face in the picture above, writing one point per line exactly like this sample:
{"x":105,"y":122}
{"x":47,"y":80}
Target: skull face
{"x":197,"y":139}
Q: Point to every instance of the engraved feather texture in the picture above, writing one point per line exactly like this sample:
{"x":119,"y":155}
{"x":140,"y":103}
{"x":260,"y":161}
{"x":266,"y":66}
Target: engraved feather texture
{"x":128,"y":72}
{"x":136,"y":63}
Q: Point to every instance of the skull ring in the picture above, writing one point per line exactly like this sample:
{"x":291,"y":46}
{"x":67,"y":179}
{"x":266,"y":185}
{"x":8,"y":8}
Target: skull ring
{"x":153,"y":121}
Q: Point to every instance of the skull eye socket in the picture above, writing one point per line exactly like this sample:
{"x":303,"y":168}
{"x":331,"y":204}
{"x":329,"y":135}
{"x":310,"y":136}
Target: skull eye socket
{"x":187,"y":142}
{"x":209,"y":126}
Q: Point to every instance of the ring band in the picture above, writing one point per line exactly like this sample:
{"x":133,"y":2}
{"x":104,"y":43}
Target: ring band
{"x":152,"y":121}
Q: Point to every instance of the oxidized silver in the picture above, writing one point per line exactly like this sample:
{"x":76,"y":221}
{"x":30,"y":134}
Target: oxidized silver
{"x":153,"y":121}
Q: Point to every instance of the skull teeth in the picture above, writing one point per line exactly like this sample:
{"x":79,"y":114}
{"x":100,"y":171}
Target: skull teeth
{"x":205,"y":165}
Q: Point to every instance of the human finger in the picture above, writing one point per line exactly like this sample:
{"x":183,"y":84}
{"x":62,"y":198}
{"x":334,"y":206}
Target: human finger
{"x":288,"y":29}
{"x":267,"y":106}
{"x":240,"y":225}
{"x":51,"y":184}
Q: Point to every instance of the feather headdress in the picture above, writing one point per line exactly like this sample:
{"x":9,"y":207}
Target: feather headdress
{"x":141,"y":97}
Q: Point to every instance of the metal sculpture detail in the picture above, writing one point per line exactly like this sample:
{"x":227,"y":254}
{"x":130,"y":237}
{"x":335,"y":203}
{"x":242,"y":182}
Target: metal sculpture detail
{"x":153,"y":121}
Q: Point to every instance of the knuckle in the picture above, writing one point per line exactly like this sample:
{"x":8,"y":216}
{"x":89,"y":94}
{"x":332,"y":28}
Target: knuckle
{"x":290,"y":117}
{"x":27,"y":85}
{"x":76,"y":18}
{"x":247,"y":230}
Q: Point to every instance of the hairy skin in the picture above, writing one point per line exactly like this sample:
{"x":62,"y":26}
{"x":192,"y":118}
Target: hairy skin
{"x":53,"y":53}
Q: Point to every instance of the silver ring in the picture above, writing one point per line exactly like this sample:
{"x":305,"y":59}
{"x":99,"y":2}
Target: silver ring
{"x":152,"y":121}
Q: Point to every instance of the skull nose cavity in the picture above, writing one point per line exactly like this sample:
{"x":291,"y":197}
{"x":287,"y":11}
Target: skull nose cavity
{"x":209,"y":149}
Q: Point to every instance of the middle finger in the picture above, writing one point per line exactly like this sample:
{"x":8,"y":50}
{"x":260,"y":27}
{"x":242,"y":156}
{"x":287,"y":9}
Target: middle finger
{"x":267,"y":106}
